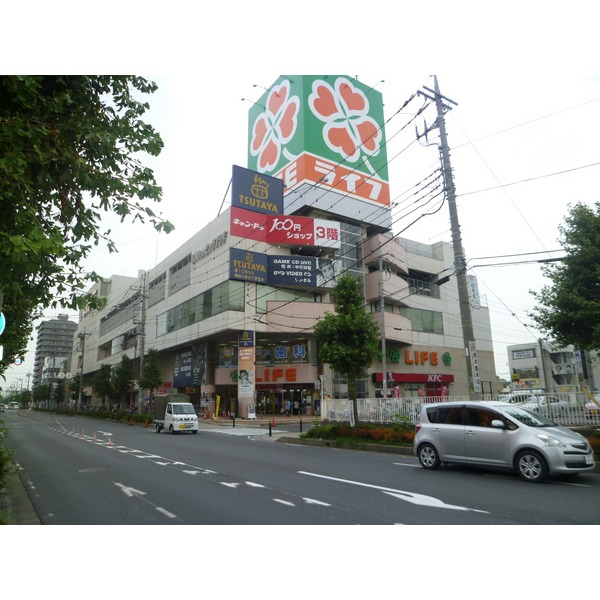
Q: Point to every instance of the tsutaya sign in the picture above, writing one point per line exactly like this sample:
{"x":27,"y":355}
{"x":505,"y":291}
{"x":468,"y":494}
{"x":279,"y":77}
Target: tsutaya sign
{"x":325,"y":130}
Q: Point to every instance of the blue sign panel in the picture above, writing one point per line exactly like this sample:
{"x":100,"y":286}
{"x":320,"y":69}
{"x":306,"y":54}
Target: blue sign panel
{"x":248,"y":266}
{"x":257,"y":192}
{"x":293,"y":271}
{"x":182,"y":370}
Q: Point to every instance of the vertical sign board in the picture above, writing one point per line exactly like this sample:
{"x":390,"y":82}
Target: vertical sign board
{"x":246,"y":375}
{"x":327,"y":130}
{"x":182,"y":370}
{"x":474,"y":366}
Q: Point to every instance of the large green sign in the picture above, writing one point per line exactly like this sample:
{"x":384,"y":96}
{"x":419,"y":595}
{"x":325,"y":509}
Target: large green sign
{"x":325,"y":129}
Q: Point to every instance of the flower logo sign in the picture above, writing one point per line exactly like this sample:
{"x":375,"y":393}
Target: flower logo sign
{"x":349,"y":130}
{"x":274,"y":127}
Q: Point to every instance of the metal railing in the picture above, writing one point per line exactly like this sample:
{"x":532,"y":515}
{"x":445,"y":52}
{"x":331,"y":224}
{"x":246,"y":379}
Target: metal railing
{"x":573,"y":409}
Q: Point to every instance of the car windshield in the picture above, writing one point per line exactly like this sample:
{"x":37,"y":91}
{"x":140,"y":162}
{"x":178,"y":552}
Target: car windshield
{"x":528,"y":417}
{"x":183,"y":409}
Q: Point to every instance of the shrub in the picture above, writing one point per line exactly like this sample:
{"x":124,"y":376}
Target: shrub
{"x":397,"y":434}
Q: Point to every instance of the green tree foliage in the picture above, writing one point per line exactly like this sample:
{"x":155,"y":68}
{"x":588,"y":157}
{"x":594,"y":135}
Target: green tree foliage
{"x":349,"y":340}
{"x":151,"y":376}
{"x":568,"y":310}
{"x":70,"y":149}
{"x":122,"y":379}
{"x":102,"y":382}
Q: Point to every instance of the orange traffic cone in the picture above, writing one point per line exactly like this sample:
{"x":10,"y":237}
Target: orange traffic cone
{"x":273,"y":422}
{"x":146,"y":423}
{"x":131,"y":420}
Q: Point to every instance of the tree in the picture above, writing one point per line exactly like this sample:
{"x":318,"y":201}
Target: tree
{"x":151,"y":376}
{"x":122,"y":378}
{"x":101,"y":382}
{"x":70,"y":149}
{"x":568,"y":310}
{"x":349,"y":340}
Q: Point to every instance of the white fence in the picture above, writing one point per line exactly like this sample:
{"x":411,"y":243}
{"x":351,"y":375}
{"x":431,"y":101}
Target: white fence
{"x":570,"y":409}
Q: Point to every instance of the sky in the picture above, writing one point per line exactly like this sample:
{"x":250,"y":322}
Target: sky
{"x":524,"y":75}
{"x":523,"y":132}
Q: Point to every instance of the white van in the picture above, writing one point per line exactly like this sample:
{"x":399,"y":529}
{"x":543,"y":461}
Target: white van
{"x":13,"y":406}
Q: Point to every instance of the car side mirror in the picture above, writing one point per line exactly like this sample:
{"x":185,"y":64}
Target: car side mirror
{"x":498,"y":423}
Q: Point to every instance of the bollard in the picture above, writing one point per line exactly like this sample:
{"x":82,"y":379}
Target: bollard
{"x":300,"y":425}
{"x":233,"y":419}
{"x":270,"y":428}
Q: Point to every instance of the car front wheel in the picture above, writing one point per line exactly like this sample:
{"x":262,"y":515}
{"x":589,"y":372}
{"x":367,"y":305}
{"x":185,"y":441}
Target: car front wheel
{"x":428,"y":456}
{"x":532,"y":466}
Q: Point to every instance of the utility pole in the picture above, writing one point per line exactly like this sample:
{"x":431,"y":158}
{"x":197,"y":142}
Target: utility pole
{"x":383,"y":347}
{"x":460,"y":262}
{"x":81,"y":337}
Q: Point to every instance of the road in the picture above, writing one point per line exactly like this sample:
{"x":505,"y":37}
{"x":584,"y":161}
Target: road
{"x":81,"y":471}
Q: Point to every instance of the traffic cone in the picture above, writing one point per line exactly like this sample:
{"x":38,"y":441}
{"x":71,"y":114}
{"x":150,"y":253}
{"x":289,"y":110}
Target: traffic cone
{"x":131,"y":420}
{"x":95,"y":440}
{"x":273,"y":422}
{"x":146,"y":423}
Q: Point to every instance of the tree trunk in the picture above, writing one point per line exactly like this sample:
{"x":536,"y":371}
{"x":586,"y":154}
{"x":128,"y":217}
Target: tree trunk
{"x":352,"y":395}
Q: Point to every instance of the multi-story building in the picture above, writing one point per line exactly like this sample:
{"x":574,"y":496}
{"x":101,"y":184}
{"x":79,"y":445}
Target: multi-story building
{"x":232,"y":310}
{"x":542,"y":365}
{"x":54,"y":340}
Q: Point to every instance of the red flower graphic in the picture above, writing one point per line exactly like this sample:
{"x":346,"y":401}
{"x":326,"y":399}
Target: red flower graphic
{"x":274,"y":127}
{"x":348,"y":128}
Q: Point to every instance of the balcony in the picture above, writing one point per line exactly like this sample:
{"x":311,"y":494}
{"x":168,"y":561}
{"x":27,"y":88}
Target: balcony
{"x":395,"y":289}
{"x":393,"y":253}
{"x":397,"y":327}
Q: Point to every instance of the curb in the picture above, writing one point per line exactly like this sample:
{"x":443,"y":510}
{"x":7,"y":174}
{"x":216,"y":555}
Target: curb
{"x":16,"y":502}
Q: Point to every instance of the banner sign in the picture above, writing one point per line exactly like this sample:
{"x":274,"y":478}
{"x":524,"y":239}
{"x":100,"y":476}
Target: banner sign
{"x":284,"y":230}
{"x":248,"y":266}
{"x":246,"y":364}
{"x":293,"y":270}
{"x":255,"y":191}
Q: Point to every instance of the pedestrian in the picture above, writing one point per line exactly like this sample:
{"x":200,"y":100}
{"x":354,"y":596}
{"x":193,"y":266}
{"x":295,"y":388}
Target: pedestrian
{"x":288,"y":406}
{"x":296,"y":407}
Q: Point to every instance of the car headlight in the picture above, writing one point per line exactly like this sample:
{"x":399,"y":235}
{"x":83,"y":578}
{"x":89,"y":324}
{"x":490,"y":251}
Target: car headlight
{"x":550,"y":441}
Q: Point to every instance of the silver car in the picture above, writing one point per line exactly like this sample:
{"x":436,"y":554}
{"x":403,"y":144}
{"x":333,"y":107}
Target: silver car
{"x":499,"y":435}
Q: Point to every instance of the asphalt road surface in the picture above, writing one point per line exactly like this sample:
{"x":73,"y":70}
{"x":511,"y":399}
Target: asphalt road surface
{"x":81,"y":471}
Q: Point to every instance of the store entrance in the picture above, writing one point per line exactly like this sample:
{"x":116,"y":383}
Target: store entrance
{"x":268,"y":402}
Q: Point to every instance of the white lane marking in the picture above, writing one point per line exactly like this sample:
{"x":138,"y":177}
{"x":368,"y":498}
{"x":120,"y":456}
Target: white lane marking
{"x":252,"y":484}
{"x":129,"y":491}
{"x":408,"y":496}
{"x":283,"y":502}
{"x":231,"y":485}
{"x":407,"y":465}
{"x":312,"y":501}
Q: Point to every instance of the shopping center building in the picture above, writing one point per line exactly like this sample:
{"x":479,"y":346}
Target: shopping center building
{"x":232,"y":310}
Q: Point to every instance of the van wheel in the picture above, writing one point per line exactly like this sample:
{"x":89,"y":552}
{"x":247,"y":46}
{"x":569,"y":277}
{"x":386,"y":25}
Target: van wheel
{"x":194,"y":431}
{"x":428,"y":456}
{"x":157,"y":428}
{"x":531,"y":466}
{"x":171,"y":430}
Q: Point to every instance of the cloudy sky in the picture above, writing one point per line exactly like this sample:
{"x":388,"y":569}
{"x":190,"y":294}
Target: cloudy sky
{"x":523,"y":132}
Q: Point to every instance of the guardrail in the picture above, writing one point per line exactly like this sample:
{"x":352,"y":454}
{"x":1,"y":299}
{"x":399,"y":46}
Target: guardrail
{"x":569,"y":409}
